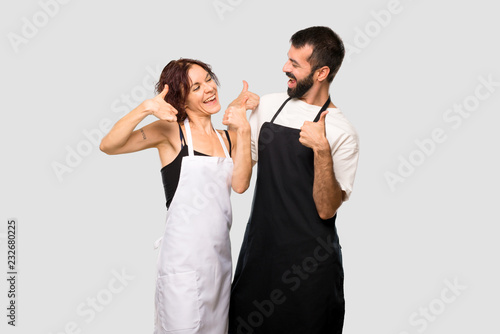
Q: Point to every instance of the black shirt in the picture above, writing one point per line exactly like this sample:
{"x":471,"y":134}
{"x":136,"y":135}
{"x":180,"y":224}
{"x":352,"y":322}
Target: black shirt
{"x":170,"y":173}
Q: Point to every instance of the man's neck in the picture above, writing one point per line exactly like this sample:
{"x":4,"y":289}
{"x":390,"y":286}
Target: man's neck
{"x":317,"y":96}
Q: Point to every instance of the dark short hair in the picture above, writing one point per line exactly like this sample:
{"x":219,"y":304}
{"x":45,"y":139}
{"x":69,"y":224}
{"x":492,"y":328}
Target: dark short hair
{"x":175,"y":75}
{"x":328,"y":49}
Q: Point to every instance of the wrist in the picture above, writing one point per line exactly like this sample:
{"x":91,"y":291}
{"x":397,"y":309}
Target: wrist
{"x":243,"y":130}
{"x":146,"y":108}
{"x":323,"y":148}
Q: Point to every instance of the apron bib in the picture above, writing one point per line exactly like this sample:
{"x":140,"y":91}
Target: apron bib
{"x":289,"y":276}
{"x":194,"y":262}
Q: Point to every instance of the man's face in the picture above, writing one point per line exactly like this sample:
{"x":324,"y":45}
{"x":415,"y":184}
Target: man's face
{"x":298,"y":69}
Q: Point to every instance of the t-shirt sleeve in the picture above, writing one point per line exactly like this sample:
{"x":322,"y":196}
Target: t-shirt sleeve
{"x":345,"y":163}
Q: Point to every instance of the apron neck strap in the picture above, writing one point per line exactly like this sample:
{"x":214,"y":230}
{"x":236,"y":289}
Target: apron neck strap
{"x":189,"y":137}
{"x":325,"y":106}
{"x":279,"y":110}
{"x":190,"y":140}
{"x":226,"y":153}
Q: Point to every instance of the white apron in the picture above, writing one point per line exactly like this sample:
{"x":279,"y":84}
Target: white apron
{"x":194,"y":262}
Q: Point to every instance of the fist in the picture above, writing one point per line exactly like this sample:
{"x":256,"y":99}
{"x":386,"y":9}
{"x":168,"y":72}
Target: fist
{"x":160,"y":108}
{"x":235,"y":116}
{"x":252,"y":99}
{"x":313,"y":134}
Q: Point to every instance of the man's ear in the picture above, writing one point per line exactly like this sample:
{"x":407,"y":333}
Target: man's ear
{"x":323,"y":73}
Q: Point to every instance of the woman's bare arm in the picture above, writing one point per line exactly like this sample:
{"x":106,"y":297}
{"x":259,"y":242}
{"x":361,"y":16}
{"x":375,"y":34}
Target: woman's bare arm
{"x":236,"y":120}
{"x":123,"y":139}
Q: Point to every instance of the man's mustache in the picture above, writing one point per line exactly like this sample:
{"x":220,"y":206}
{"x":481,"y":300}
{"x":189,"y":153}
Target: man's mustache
{"x":290,"y":75}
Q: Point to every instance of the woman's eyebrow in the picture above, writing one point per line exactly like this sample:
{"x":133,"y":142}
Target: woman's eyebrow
{"x":197,"y":83}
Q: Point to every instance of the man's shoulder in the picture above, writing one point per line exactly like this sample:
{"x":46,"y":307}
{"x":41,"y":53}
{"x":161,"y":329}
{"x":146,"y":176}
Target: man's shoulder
{"x":338,"y":124}
{"x":273,"y":99}
{"x":268,"y":106}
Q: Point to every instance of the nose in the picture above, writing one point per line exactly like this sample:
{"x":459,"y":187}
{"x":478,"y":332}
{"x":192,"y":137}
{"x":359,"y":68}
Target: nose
{"x":287,"y":66}
{"x":208,"y":88}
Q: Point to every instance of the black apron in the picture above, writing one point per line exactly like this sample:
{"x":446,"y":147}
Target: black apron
{"x":289,"y":277}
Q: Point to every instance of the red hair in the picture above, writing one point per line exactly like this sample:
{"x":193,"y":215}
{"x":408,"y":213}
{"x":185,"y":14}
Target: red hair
{"x":175,"y":75}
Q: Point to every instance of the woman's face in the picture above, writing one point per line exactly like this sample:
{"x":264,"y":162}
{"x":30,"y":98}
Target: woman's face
{"x":202,"y":96}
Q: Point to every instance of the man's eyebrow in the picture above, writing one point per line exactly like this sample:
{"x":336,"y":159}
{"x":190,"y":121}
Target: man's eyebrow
{"x":294,"y":61}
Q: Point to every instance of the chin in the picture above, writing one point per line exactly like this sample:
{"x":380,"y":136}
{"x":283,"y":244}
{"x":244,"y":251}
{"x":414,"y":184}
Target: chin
{"x":292,"y":92}
{"x":215,"y":109}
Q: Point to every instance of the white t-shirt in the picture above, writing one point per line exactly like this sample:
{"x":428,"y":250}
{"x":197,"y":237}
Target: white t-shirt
{"x":340,"y":133}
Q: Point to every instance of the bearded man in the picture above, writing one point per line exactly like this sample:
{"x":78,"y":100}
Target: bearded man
{"x":289,"y":277}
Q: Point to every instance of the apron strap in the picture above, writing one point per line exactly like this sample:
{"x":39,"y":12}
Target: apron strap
{"x":325,"y":106}
{"x":190,"y":140}
{"x":222,"y":143}
{"x":279,"y":110}
{"x":228,"y":141}
{"x":157,"y":243}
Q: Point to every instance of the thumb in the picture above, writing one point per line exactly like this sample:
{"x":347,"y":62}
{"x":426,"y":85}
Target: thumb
{"x":323,"y":116}
{"x":243,"y":102}
{"x":164,"y":92}
{"x":245,"y":86}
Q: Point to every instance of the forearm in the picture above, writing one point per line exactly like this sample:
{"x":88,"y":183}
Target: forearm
{"x":327,"y":192}
{"x":121,"y":131}
{"x":242,"y":158}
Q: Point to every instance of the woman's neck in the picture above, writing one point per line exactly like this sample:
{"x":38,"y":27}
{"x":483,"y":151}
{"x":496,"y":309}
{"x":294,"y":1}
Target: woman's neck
{"x":202,"y":123}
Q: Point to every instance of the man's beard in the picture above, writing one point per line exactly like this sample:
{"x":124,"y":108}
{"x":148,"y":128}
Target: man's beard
{"x":301,"y":87}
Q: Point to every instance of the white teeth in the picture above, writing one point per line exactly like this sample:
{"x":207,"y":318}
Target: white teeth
{"x":210,"y":99}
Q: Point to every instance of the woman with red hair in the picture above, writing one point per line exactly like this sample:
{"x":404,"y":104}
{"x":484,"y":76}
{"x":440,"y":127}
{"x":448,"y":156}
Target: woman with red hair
{"x":200,"y":166}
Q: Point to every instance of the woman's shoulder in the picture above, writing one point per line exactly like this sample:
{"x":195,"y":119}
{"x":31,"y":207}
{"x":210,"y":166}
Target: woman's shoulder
{"x":229,"y":136}
{"x":225,"y":133}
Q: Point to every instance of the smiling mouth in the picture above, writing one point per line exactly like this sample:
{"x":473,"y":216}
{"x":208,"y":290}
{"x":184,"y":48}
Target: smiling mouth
{"x":210,"y":99}
{"x":292,"y":82}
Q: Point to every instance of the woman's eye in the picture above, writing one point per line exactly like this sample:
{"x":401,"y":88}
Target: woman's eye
{"x":209,"y":79}
{"x":196,"y":88}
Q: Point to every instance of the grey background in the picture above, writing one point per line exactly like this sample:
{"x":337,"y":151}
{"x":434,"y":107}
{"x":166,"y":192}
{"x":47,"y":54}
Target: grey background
{"x":399,"y":246}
